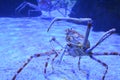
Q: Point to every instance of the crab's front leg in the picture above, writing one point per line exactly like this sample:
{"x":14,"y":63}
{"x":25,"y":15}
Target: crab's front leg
{"x":46,"y":63}
{"x":84,"y":47}
{"x":63,"y":50}
{"x":53,"y":39}
{"x":57,"y":52}
{"x":74,"y":20}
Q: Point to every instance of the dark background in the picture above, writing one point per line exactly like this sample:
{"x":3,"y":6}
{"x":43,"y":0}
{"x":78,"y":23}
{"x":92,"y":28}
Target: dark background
{"x":105,"y":13}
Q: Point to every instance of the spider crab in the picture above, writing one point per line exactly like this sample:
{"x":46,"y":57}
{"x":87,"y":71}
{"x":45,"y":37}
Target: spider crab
{"x":43,"y":5}
{"x":77,"y":45}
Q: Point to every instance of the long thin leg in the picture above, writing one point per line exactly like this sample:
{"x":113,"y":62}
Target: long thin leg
{"x":46,"y":64}
{"x":85,"y":72}
{"x":29,"y":59}
{"x":54,"y":39}
{"x":80,"y":55}
{"x":106,"y":35}
{"x":19,"y":7}
{"x":54,"y":60}
{"x":57,"y":42}
{"x":22,"y":7}
{"x":87,"y":35}
{"x":79,"y":62}
{"x":62,"y":55}
{"x":74,"y":20}
{"x":102,"y":63}
{"x":24,"y":4}
{"x":25,"y":64}
{"x":80,"y":52}
{"x":33,"y":5}
{"x":106,"y":53}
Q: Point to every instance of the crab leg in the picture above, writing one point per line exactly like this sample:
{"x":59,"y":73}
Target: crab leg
{"x":46,"y":63}
{"x":24,"y":4}
{"x":30,"y":58}
{"x":102,"y":63}
{"x":57,"y":42}
{"x":106,"y":53}
{"x":25,"y":64}
{"x":86,"y":36}
{"x":75,"y":20}
{"x":106,"y":35}
{"x":20,"y":6}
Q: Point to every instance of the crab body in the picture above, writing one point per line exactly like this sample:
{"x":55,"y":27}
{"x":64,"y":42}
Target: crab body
{"x":74,"y":42}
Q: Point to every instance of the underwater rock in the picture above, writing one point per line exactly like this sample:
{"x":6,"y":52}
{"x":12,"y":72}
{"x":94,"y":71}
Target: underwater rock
{"x":105,"y":13}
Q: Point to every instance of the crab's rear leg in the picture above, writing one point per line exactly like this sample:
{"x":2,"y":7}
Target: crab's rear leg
{"x":25,"y":64}
{"x":29,"y":59}
{"x":103,"y":64}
